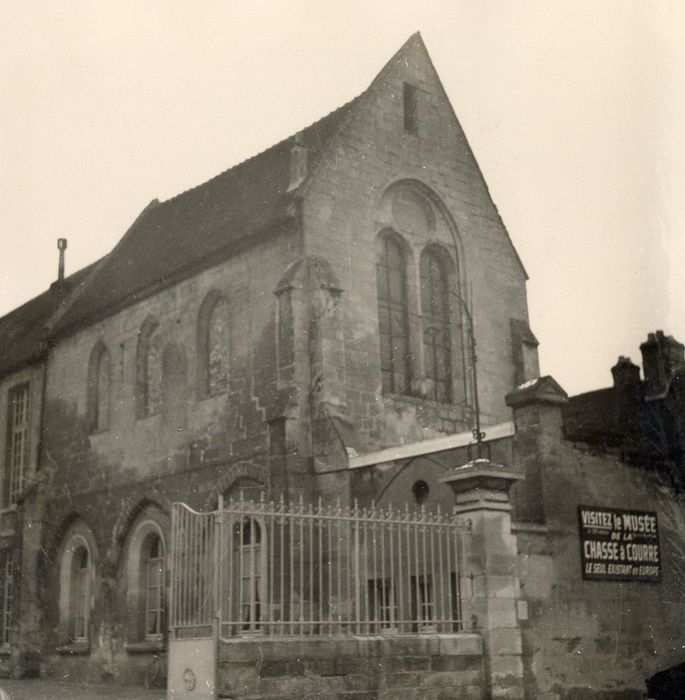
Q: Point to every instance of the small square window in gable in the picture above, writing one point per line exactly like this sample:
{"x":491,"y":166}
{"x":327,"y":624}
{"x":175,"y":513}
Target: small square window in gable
{"x":411,"y":112}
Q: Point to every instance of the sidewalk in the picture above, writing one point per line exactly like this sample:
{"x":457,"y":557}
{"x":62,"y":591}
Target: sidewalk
{"x":44,"y":689}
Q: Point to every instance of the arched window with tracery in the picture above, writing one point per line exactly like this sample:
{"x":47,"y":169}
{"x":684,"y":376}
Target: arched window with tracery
{"x":436,"y":326}
{"x":99,"y":388}
{"x":149,"y":370}
{"x":393,"y":317}
{"x":214,"y":350}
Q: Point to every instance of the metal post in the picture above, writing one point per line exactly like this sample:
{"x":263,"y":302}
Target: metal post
{"x":478,"y":434}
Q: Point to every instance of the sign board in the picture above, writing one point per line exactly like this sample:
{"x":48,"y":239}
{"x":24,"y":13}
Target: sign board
{"x":619,"y":545}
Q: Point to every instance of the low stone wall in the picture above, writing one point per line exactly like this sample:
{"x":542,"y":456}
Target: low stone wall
{"x":137,"y":665}
{"x":430,"y":667}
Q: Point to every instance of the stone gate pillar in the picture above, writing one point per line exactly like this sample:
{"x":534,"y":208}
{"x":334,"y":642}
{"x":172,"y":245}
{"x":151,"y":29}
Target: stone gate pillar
{"x":491,"y":587}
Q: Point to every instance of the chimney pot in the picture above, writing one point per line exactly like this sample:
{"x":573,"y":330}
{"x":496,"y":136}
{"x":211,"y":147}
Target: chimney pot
{"x":661,"y":355}
{"x":625,"y":373}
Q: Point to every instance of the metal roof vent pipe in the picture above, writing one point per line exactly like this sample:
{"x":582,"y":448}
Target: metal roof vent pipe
{"x":62,"y":246}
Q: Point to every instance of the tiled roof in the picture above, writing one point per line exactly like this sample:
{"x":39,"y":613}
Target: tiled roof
{"x":169,"y":240}
{"x":23,"y":331}
{"x":594,"y":415}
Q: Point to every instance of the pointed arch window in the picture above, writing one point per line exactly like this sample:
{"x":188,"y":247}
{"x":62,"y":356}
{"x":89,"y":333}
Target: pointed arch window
{"x":218,"y":348}
{"x":213,"y":340}
{"x":99,"y":388}
{"x":393,"y":319}
{"x":149,"y":370}
{"x":436,"y":326}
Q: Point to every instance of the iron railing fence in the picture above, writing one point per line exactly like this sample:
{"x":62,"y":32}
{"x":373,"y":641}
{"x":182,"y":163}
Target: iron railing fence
{"x":274,"y":569}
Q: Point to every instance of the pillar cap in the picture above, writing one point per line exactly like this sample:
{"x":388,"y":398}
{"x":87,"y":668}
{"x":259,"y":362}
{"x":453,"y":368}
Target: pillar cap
{"x":481,"y":485}
{"x":482,"y":469}
{"x":541,"y":390}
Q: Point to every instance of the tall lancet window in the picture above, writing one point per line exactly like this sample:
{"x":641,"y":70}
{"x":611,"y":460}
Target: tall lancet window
{"x":99,"y":388}
{"x":149,"y":369}
{"x":393,"y":320}
{"x":436,"y":327}
{"x":213,"y":345}
{"x":218,"y":348}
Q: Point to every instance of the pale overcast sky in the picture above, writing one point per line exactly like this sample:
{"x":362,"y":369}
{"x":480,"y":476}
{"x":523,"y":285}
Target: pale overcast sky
{"x":574,"y":111}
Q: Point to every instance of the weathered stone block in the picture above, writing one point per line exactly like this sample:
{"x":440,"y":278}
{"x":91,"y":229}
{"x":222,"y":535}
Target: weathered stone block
{"x":504,"y":642}
{"x":460,"y":644}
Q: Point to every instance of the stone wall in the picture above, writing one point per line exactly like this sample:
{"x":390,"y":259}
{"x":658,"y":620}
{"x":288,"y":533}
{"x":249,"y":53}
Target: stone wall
{"x":431,"y":667}
{"x":584,"y":638}
{"x":305,"y":364}
{"x":348,"y":203}
{"x":103,"y":480}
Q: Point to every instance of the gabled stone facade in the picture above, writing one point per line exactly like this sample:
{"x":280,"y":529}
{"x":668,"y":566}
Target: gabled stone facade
{"x":301,"y":327}
{"x":250,"y":358}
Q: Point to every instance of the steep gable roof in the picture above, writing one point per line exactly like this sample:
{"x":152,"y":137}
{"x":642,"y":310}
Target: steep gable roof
{"x":169,"y":240}
{"x":172,"y":240}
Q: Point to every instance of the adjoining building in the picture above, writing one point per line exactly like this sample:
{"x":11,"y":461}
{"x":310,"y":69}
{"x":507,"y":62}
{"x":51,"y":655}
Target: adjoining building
{"x":238,"y":426}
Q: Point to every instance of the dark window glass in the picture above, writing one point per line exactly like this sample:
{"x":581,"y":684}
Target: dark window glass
{"x":17,"y":443}
{"x":393,"y":326}
{"x":153,"y":566}
{"x":6,"y":597}
{"x":218,"y":348}
{"x":154,"y":375}
{"x":101,"y":403}
{"x":436,"y":329}
{"x":411,"y":117}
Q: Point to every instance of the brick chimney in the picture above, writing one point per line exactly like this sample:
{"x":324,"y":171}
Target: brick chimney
{"x":661,"y":355}
{"x":625,"y":373}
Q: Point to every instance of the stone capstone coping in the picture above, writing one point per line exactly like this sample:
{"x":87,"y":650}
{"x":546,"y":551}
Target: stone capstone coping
{"x":242,"y":650}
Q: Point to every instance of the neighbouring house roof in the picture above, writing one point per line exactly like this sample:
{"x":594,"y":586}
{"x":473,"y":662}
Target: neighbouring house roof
{"x":170,"y":239}
{"x":594,"y":414}
{"x":23,"y":331}
{"x":648,"y":432}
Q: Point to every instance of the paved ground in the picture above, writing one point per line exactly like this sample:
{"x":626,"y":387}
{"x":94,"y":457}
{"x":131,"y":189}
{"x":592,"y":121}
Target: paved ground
{"x":42,"y":689}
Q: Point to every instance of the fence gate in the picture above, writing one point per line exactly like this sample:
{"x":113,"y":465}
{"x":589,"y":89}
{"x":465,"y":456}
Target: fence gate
{"x":269,"y":568}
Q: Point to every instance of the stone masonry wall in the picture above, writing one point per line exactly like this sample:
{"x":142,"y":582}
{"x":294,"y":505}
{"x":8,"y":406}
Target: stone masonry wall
{"x":105,"y":479}
{"x":12,"y":517}
{"x":593,"y":639}
{"x":431,"y":667}
{"x":344,"y":212}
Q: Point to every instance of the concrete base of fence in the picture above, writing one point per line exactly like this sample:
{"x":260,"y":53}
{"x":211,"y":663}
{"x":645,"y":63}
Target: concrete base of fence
{"x":432,"y":667}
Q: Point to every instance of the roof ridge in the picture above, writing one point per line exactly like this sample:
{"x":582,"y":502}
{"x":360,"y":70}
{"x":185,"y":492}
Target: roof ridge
{"x":51,"y":289}
{"x":205,"y":222}
{"x":262,"y":152}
